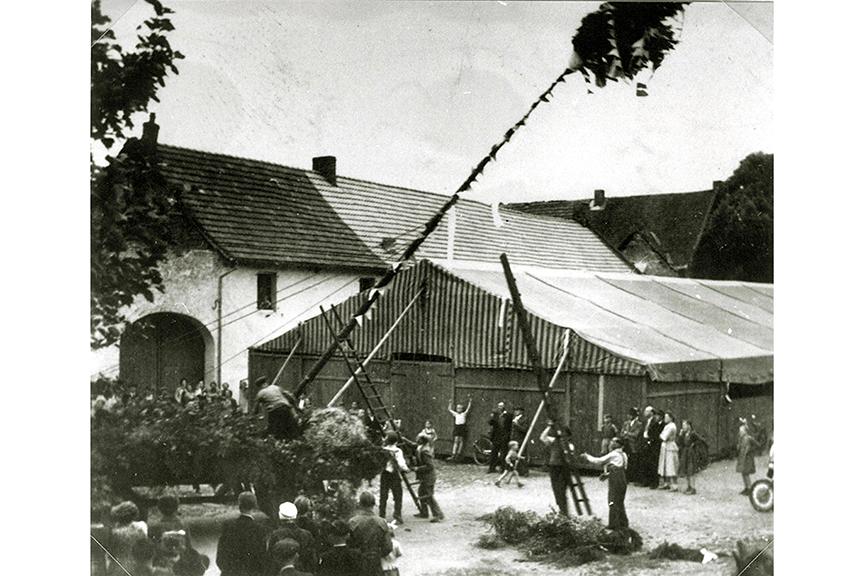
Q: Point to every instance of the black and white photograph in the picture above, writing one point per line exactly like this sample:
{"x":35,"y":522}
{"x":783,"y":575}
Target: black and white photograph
{"x":430,"y":288}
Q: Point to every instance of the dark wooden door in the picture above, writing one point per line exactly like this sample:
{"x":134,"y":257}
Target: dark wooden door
{"x":420,"y":391}
{"x":160,"y":350}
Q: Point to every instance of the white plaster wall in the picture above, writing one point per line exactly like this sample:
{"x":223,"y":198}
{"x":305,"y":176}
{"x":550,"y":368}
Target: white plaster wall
{"x":192,"y":289}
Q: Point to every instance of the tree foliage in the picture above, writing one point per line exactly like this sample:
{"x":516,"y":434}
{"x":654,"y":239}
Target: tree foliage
{"x":124,"y":83}
{"x":129,"y":202}
{"x":621,"y":39}
{"x":154,"y":441}
{"x":738,"y":242}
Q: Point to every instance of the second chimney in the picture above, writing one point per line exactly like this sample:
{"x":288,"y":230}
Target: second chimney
{"x":599,"y":201}
{"x":326,"y":167}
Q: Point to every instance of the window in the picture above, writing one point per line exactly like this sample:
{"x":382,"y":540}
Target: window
{"x":267,"y":291}
{"x":366,"y":283}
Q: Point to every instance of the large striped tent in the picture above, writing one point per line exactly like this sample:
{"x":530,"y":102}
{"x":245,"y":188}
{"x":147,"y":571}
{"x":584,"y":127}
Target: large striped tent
{"x":633,"y":339}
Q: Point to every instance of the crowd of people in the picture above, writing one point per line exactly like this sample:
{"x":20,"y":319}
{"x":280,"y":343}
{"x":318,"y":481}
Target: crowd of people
{"x":298,"y":544}
{"x":133,"y":547}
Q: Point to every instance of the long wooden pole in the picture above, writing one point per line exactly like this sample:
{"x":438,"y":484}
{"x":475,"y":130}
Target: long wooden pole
{"x":549,"y":389}
{"x":562,"y":439}
{"x":374,"y":351}
{"x":288,"y":359}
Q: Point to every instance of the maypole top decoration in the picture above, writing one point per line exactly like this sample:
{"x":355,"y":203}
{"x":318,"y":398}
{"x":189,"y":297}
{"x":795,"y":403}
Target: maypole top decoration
{"x":621,"y":39}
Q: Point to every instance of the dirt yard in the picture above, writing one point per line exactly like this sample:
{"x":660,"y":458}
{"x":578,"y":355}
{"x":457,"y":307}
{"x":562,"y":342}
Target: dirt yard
{"x":714,"y":518}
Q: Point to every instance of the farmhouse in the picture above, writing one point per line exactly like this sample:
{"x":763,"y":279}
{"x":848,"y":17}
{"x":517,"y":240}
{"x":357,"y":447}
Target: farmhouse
{"x":702,"y":349}
{"x":265,"y":245}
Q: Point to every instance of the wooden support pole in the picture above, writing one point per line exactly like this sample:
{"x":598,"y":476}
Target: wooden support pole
{"x":285,"y":364}
{"x":548,"y":389}
{"x":374,"y":350}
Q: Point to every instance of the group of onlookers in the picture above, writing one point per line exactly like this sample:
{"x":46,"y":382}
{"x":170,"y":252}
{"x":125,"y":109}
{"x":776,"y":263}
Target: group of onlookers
{"x":299,"y":544}
{"x":186,"y":394}
{"x":658,"y":450}
{"x":133,"y":547}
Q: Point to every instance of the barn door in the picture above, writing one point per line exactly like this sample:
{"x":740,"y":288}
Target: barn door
{"x":420,"y":392}
{"x":157,"y":351}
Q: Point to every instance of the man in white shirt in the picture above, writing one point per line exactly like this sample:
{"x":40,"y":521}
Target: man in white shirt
{"x":391,"y":480}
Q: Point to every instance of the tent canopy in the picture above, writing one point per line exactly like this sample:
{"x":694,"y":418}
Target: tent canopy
{"x":679,"y":329}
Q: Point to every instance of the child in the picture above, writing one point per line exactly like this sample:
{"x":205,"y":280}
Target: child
{"x":390,"y":563}
{"x":607,"y":432}
{"x":429,"y":431}
{"x":746,"y":448}
{"x":686,"y":438}
{"x":510,"y":464}
{"x":459,"y":427}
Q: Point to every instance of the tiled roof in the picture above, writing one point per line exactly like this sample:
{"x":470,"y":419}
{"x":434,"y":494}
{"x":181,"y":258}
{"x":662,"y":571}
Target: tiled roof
{"x":378,"y":213}
{"x":260,"y":212}
{"x":672,"y":223}
{"x":263,"y":212}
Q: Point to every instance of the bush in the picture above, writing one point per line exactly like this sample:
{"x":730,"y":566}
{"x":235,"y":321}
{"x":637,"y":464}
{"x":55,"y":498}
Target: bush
{"x":154,"y":441}
{"x":562,"y":540}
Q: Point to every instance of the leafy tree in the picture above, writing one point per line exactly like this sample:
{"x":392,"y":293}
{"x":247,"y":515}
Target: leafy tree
{"x":738,"y":242}
{"x":129,"y":202}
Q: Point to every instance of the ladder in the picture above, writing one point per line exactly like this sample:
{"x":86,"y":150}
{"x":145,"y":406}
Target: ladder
{"x":574,"y":481}
{"x":380,"y":413}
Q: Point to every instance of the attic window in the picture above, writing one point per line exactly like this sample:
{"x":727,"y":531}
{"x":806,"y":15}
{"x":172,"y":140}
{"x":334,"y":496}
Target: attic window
{"x":266,"y":291}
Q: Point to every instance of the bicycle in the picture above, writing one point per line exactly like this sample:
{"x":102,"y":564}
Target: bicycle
{"x":483,"y":454}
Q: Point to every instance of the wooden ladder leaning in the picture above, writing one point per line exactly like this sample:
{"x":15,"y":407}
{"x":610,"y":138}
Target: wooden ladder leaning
{"x":380,"y":413}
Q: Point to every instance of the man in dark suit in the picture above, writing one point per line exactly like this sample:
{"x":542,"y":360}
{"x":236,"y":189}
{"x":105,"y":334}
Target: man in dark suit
{"x":650,"y":447}
{"x":340,"y":559}
{"x":370,"y":534}
{"x":500,"y":423}
{"x":241,"y":550}
{"x":288,"y":529}
{"x":285,"y":554}
{"x":630,"y":433}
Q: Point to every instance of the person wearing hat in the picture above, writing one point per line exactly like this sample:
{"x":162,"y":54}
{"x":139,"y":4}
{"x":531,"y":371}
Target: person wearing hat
{"x":285,"y":553}
{"x":281,"y":409}
{"x":630,"y":432}
{"x":370,"y":534}
{"x":426,"y":475}
{"x":616,"y":465}
{"x":288,"y":528}
{"x":340,"y":559}
{"x":242,"y":548}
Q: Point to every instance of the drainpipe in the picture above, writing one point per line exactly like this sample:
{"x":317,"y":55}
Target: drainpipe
{"x":219,"y":326}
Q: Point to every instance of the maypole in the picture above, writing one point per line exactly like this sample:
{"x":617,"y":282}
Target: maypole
{"x":618,"y":40}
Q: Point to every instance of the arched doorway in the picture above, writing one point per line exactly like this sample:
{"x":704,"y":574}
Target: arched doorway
{"x":160,"y":349}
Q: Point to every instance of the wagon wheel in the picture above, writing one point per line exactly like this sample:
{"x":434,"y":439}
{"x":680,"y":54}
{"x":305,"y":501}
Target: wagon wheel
{"x":700,"y":455}
{"x":482,"y":451}
{"x":762,"y":495}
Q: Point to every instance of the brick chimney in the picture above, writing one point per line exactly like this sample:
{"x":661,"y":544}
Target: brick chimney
{"x":326,"y":167}
{"x":149,"y":134}
{"x":599,"y":201}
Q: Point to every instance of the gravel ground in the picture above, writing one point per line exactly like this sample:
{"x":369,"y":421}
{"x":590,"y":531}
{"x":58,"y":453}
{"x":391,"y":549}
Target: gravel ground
{"x":715,"y":518}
